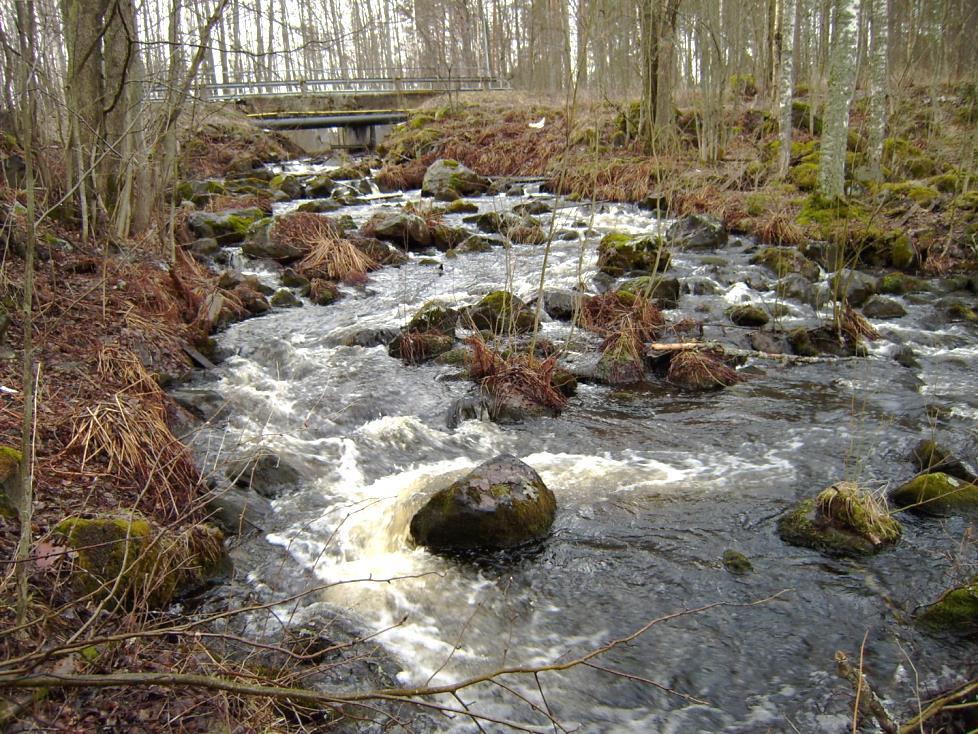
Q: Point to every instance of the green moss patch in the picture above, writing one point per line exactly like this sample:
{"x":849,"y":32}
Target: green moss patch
{"x":955,"y":612}
{"x":937,"y":493}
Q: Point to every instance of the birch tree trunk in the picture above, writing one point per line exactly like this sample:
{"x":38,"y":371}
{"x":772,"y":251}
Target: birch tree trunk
{"x":842,"y":79}
{"x":878,"y":52}
{"x":786,"y":82}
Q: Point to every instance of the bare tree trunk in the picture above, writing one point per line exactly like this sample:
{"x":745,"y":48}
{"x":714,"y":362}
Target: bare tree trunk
{"x":842,"y":78}
{"x":878,"y":77}
{"x":786,"y":81}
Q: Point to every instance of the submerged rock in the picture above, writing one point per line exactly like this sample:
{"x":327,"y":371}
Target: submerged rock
{"x":842,"y":520}
{"x":563,"y":304}
{"x":823,"y":340}
{"x":697,"y":231}
{"x":930,"y":456}
{"x":937,"y":493}
{"x":500,"y":504}
{"x":955,"y":612}
{"x":448,"y":180}
{"x":737,"y":563}
{"x":264,"y":473}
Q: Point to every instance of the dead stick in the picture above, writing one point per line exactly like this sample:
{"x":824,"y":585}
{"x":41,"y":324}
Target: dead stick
{"x":867,"y":700}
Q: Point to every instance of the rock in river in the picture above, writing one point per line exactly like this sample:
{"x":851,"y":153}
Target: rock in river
{"x":500,"y":504}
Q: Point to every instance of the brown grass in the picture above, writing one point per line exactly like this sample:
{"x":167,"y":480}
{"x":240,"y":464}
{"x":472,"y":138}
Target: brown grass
{"x":336,"y":259}
{"x":700,"y":368}
{"x":855,"y":326}
{"x":520,"y":375}
{"x":611,"y":314}
{"x":223,"y":202}
{"x":777,"y":227}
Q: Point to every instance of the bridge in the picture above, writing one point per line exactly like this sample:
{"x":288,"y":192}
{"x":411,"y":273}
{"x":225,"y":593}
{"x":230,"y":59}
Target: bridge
{"x":351,"y":111}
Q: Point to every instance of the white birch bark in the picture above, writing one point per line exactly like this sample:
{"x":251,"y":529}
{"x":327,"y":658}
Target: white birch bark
{"x":842,"y":79}
{"x":786,"y":82}
{"x":878,"y":53}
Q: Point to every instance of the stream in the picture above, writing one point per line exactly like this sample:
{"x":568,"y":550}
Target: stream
{"x":652,"y":486}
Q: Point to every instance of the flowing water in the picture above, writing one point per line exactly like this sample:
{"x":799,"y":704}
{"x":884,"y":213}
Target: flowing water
{"x":652,"y":487}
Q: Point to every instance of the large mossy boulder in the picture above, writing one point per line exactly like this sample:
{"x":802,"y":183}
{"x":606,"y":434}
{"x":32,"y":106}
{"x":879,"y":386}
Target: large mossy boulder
{"x":137,"y":563}
{"x":955,"y":612}
{"x":433,"y":317}
{"x":936,"y":493}
{"x":262,"y":243}
{"x":500,"y":504}
{"x":842,"y":520}
{"x":449,"y":180}
{"x":664,"y":292}
{"x":9,"y":481}
{"x":696,"y":232}
{"x":620,"y":253}
{"x":415,"y":347}
{"x":402,"y":228}
{"x":501,"y":312}
{"x":228,"y":227}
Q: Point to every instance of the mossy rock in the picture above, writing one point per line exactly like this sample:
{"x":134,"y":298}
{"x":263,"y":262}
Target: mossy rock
{"x":747,"y":315}
{"x":879,"y":307}
{"x":737,"y":563}
{"x":476,"y":243}
{"x":663,"y":291}
{"x":842,"y":520}
{"x":804,"y":176}
{"x":949,"y":182}
{"x":899,"y":284}
{"x":905,"y":160}
{"x":803,"y":118}
{"x":500,"y":504}
{"x":461,"y":206}
{"x":785,"y":260}
{"x":619,"y":368}
{"x":921,"y":193}
{"x":9,"y":481}
{"x":320,"y":206}
{"x":321,"y":185}
{"x":228,"y":227}
{"x":433,"y":317}
{"x":937,"y":493}
{"x":323,"y":292}
{"x":620,"y":253}
{"x":144,"y":564}
{"x":961,"y":311}
{"x":823,"y":340}
{"x":445,"y":237}
{"x":415,"y":347}
{"x":697,"y":232}
{"x":455,"y":357}
{"x":501,"y":312}
{"x":284,"y":298}
{"x":930,"y":456}
{"x":955,"y":612}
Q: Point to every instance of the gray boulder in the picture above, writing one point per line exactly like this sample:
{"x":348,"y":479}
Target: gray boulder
{"x":697,"y":231}
{"x":228,"y":227}
{"x":500,"y":504}
{"x":449,"y":180}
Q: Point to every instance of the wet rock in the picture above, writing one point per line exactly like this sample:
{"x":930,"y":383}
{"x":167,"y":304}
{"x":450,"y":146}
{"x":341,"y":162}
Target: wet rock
{"x":320,"y":206}
{"x":205,"y":405}
{"x":292,"y":279}
{"x":764,"y":341}
{"x":470,"y":408}
{"x":461,"y":206}
{"x":664,"y":292}
{"x":855,"y":286}
{"x":747,"y":315}
{"x":527,"y":235}
{"x":619,"y":369}
{"x":501,"y":312}
{"x":842,"y":520}
{"x":204,"y":248}
{"x":284,"y":298}
{"x":448,"y":180}
{"x":823,"y":340}
{"x":402,"y":228}
{"x":323,"y":292}
{"x":254,"y":302}
{"x":369,"y":338}
{"x":380,"y":252}
{"x":880,"y":307}
{"x":955,"y":612}
{"x":9,"y":482}
{"x":500,"y":504}
{"x":930,"y":456}
{"x":228,"y":227}
{"x":899,"y":284}
{"x":783,"y":261}
{"x":434,"y":318}
{"x":737,"y":563}
{"x":260,"y":244}
{"x":142,"y":563}
{"x":477,"y":243}
{"x":289,"y":185}
{"x":906,"y":357}
{"x":536,"y":206}
{"x":827,"y":254}
{"x":796,"y":287}
{"x":349,"y":172}
{"x":936,"y":493}
{"x":415,"y":347}
{"x":445,"y":238}
{"x":562,"y":304}
{"x":961,"y":311}
{"x":320,"y":186}
{"x":697,"y":231}
{"x":654,"y":203}
{"x":564,"y":381}
{"x":620,"y":253}
{"x":264,"y":473}
{"x":235,"y":510}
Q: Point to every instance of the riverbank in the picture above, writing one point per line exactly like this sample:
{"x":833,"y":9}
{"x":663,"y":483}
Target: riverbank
{"x":114,"y":327}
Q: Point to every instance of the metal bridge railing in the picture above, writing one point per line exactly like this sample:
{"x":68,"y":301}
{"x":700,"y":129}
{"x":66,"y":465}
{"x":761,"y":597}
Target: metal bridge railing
{"x":377,"y":85}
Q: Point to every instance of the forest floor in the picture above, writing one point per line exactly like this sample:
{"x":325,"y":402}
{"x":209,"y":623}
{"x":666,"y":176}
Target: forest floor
{"x":113,"y":323}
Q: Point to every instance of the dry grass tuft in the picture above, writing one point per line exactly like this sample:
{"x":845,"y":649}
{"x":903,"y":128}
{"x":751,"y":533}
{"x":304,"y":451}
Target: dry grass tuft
{"x":616,"y":313}
{"x":700,"y":368}
{"x":777,"y":228}
{"x":224,"y":202}
{"x":336,"y":259}
{"x":854,"y":325}
{"x":520,"y":376}
{"x":845,"y":505}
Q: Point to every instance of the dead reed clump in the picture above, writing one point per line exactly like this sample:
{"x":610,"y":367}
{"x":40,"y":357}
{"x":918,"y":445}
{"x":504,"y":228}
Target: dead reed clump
{"x":844,"y":505}
{"x":854,"y":326}
{"x":700,"y":369}
{"x":515,"y":378}
{"x":336,"y":259}
{"x":223,"y":202}
{"x":618,"y":312}
{"x":777,"y":227}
